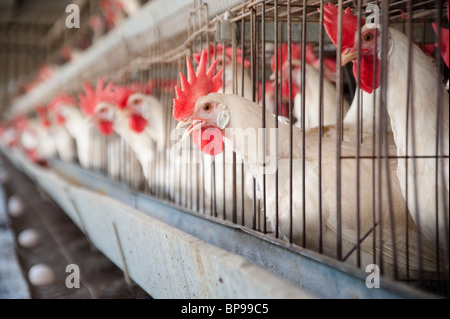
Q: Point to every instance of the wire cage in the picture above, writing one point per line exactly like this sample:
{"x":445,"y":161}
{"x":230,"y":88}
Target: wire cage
{"x":356,"y":170}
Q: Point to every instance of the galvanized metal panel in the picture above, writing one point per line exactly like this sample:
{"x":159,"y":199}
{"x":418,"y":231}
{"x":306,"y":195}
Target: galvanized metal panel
{"x":317,"y":274}
{"x":169,"y":263}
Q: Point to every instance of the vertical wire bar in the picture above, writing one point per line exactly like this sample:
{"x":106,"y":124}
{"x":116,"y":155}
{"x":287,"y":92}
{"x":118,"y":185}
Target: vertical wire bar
{"x":178,"y":162}
{"x":198,"y":22}
{"x":168,"y":128}
{"x":224,"y":206}
{"x":303,"y":107}
{"x":189,"y":185}
{"x":184,"y":162}
{"x":242,"y":94}
{"x":321,"y":76}
{"x":257,"y":99}
{"x":154,"y":170}
{"x":380,"y":142}
{"x":440,"y":147}
{"x":213,"y":162}
{"x":291,"y":233}
{"x":184,"y":189}
{"x":358,"y":132}
{"x":253,"y":76}
{"x":438,"y":128}
{"x":275,"y":3}
{"x":193,"y":164}
{"x":374,"y":154}
{"x":206,"y":11}
{"x":235,"y":91}
{"x":410,"y":110}
{"x":169,"y":145}
{"x":162,"y":167}
{"x":406,"y":213}
{"x":263,"y":119}
{"x":339,"y":132}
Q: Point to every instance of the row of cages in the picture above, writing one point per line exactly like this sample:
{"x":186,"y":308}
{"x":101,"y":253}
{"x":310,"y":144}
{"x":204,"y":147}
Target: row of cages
{"x":297,"y":149}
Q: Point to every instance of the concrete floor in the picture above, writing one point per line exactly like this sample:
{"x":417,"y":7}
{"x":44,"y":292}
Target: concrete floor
{"x":61,"y":243}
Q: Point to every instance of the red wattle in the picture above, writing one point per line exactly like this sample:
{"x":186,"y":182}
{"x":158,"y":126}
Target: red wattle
{"x":46,"y":123}
{"x":367,"y":73}
{"x":285,"y":89}
{"x":208,"y":140}
{"x":105,"y":127}
{"x":60,"y":119}
{"x":137,"y":123}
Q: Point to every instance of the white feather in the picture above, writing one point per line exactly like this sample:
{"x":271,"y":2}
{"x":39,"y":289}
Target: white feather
{"x":248,"y":114}
{"x":424,"y":131}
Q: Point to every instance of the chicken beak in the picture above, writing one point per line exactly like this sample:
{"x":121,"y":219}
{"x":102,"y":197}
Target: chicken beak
{"x":196,"y":125}
{"x":272,"y":77}
{"x":296,"y":62}
{"x":182,"y":124}
{"x":348,"y":55}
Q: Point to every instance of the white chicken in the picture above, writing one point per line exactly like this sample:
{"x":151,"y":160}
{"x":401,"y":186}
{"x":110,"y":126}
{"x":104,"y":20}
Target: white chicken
{"x":138,"y":119}
{"x":66,"y":111}
{"x":235,"y":121}
{"x":425,"y":194}
{"x":310,"y":89}
{"x":65,"y":144}
{"x":37,"y":141}
{"x":222,"y":171}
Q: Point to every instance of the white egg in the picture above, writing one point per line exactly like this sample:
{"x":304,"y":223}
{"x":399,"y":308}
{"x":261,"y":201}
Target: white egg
{"x":16,"y":208}
{"x":41,"y":275}
{"x":28,"y":238}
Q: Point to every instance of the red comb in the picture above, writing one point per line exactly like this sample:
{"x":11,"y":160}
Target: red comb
{"x":228,"y":54}
{"x":146,"y":88}
{"x":349,"y":25}
{"x":198,"y":84}
{"x":91,"y":98}
{"x":119,"y":95}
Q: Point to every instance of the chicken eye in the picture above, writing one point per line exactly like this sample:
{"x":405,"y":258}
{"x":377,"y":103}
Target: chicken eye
{"x":368,"y":37}
{"x":207,"y":107}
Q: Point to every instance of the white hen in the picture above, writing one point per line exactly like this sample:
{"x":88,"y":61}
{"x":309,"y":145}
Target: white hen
{"x":423,"y":178}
